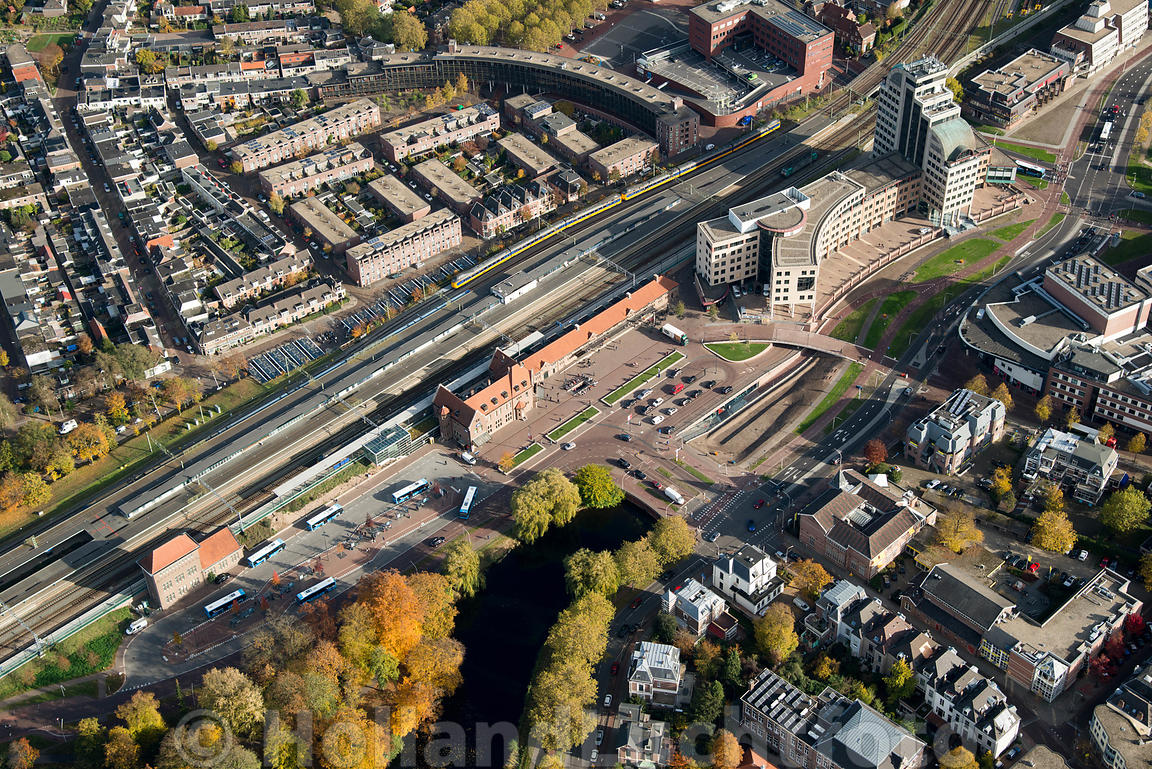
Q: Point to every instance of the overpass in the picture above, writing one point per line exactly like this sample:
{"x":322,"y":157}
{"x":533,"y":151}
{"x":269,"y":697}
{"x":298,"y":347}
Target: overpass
{"x":790,"y":335}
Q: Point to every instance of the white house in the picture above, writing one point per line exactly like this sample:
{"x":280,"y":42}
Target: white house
{"x":747,"y":578}
{"x":654,"y":673}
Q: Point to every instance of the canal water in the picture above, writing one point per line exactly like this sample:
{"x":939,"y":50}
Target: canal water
{"x":504,"y":626}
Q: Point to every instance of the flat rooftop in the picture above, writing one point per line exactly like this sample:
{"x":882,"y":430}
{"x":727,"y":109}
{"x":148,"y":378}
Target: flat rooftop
{"x":400,"y":234}
{"x":824,"y":193}
{"x":526,"y":153}
{"x":1086,"y":36}
{"x":1022,"y":73}
{"x":778,"y":211}
{"x":1033,"y":322}
{"x":445,"y":180}
{"x":621,"y":150}
{"x":327,"y":225}
{"x":397,"y":195}
{"x":1096,"y":283}
{"x":882,"y":171}
{"x":785,"y":17}
{"x":575,"y":142}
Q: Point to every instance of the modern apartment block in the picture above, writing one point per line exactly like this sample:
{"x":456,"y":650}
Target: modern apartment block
{"x":828,"y":731}
{"x":406,"y":246}
{"x":338,"y":123}
{"x":947,"y":439}
{"x":1095,"y":39}
{"x":334,"y":164}
{"x":1110,"y":304}
{"x":1121,"y":727}
{"x":1073,"y":461}
{"x":440,"y":131}
{"x":399,"y":198}
{"x":319,"y":222}
{"x":918,"y":118}
{"x":510,"y":206}
{"x":624,"y":158}
{"x":262,"y":280}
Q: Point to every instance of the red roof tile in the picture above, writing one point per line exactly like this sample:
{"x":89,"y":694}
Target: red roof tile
{"x":216,"y":547}
{"x":168,"y":553}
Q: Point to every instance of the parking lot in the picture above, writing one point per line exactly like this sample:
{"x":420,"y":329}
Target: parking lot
{"x":627,"y":34}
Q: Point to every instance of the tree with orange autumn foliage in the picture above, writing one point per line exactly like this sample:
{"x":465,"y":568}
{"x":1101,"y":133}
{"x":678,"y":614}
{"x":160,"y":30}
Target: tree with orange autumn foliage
{"x":437,"y":603}
{"x":396,"y":611}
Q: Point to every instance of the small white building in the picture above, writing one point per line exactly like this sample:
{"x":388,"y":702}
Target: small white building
{"x":654,"y":673}
{"x":695,"y":607}
{"x":747,"y":578}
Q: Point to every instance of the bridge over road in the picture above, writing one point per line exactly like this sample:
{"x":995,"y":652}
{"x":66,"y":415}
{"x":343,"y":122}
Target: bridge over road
{"x":791,"y":335}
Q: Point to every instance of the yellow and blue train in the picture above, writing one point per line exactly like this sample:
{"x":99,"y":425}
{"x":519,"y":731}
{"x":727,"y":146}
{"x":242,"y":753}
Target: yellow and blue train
{"x":466,"y":277}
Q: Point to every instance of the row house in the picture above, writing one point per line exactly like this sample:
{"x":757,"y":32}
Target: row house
{"x":443,"y":130}
{"x":510,"y":206}
{"x":260,"y":281}
{"x":624,"y":158}
{"x":241,"y":328}
{"x":257,"y":33}
{"x":330,"y":165}
{"x":409,"y":245}
{"x":337,"y":124}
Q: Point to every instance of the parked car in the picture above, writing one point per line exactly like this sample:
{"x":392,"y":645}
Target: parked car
{"x":712,"y":537}
{"x":724,"y":390}
{"x":434,"y":541}
{"x":624,"y":463}
{"x":607,"y":700}
{"x":657,"y":419}
{"x":801,"y":604}
{"x":568,"y":446}
{"x":624,"y":437}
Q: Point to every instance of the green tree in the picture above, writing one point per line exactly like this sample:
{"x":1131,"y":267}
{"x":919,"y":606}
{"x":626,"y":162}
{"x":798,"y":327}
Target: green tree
{"x":145,"y":59}
{"x":775,"y":633}
{"x":233,"y":697}
{"x":1137,"y":443}
{"x":1001,"y":481}
{"x":1071,"y":417}
{"x":462,"y":567}
{"x":547,"y":499}
{"x":141,"y":716}
{"x":90,"y":738}
{"x":1053,"y":532}
{"x":1054,"y":499}
{"x":956,"y":529}
{"x":8,"y":413}
{"x":299,"y":99}
{"x":35,"y":444}
{"x":276,"y":203}
{"x":1043,"y":409}
{"x":957,"y":90}
{"x":733,"y":675}
{"x":239,"y":14}
{"x":1125,"y":510}
{"x":587,"y":571}
{"x":236,"y":167}
{"x":36,"y":490}
{"x":637,"y":563}
{"x":597,"y":489}
{"x":408,"y":32}
{"x":707,"y":703}
{"x":5,"y":156}
{"x":900,"y":682}
{"x":133,"y":360}
{"x":358,"y":16}
{"x":664,"y":628}
{"x":713,"y":312}
{"x":679,"y":308}
{"x":1106,"y":433}
{"x":43,"y":394}
{"x":672,"y":539}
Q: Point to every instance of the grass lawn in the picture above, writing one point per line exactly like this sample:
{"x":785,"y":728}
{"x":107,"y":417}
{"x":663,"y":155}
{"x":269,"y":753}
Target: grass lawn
{"x":1011,"y":231}
{"x":90,"y":650}
{"x":573,"y":423}
{"x":1032,"y":181}
{"x":695,"y":473}
{"x":1139,"y":176}
{"x":1055,"y":220}
{"x":892,"y":306}
{"x":989,"y":129}
{"x":955,"y":258}
{"x":833,"y":396}
{"x":1044,"y":156}
{"x":39,"y":42}
{"x":1133,"y":243}
{"x":527,"y":454}
{"x":849,"y":329}
{"x":737,"y":351}
{"x":125,"y":457}
{"x":128,"y":455}
{"x":642,"y":378}
{"x":1137,"y":215}
{"x":1064,"y":199}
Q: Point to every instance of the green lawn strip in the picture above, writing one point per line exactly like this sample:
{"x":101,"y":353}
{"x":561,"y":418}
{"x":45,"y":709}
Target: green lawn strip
{"x":87,"y":651}
{"x":664,"y":471}
{"x":345,"y":473}
{"x":1044,"y":156}
{"x":848,"y":329}
{"x":1011,"y":231}
{"x":1064,"y":199}
{"x":737,"y":351}
{"x":918,"y":319}
{"x":989,"y":129}
{"x":845,"y":412}
{"x":695,"y":473}
{"x":833,"y":396}
{"x":573,"y":423}
{"x":38,"y":43}
{"x":955,"y":259}
{"x":892,"y":306}
{"x":1136,"y":215}
{"x":1133,"y":243}
{"x":642,"y":378}
{"x":1032,"y":181}
{"x":1055,"y":220}
{"x":527,"y":454}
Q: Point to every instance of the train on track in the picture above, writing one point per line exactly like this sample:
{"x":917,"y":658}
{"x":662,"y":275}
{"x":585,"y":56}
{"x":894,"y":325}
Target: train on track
{"x":464,"y":278}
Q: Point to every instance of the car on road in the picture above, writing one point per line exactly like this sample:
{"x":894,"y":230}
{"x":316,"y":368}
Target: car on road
{"x":599,"y":736}
{"x":624,"y":437}
{"x":615,"y":668}
{"x":595,"y":757}
{"x":724,"y":390}
{"x":801,"y":604}
{"x":657,"y":419}
{"x":751,"y":525}
{"x":759,"y":504}
{"x":636,"y":603}
{"x":623,"y":463}
{"x":712,"y":536}
{"x":568,"y":446}
{"x":434,"y":541}
{"x":1138,"y":195}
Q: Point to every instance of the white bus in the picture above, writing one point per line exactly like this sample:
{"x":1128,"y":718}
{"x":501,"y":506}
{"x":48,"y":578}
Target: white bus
{"x":222,"y":605}
{"x":324,"y":516}
{"x":317,"y":590}
{"x":264,"y":553}
{"x":466,"y":505}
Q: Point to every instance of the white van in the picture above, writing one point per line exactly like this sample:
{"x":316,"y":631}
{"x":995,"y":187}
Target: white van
{"x":136,"y":626}
{"x":68,"y":427}
{"x":673,"y":495}
{"x":467,"y":458}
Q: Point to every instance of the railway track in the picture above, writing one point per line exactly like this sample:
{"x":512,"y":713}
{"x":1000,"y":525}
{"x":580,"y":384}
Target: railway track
{"x":943,"y":30}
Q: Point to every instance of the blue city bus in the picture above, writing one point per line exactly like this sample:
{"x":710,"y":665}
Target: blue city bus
{"x":1031,"y":169}
{"x":409,"y":491}
{"x":466,"y":505}
{"x":324,"y":516}
{"x":225,"y":603}
{"x":264,"y":553}
{"x":317,"y":590}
